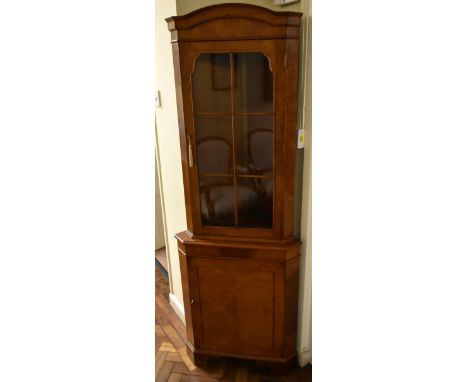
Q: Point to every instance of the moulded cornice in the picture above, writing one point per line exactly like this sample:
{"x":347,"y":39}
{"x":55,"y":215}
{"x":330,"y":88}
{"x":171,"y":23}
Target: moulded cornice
{"x":252,"y":21}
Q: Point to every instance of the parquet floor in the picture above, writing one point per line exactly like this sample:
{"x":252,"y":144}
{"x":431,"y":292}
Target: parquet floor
{"x":174,"y":365}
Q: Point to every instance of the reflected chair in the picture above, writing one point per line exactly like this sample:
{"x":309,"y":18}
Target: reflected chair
{"x":214,"y":157}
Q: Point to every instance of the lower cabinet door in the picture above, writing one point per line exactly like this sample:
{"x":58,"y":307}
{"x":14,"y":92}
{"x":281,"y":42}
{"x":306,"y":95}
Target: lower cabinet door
{"x":238,"y":306}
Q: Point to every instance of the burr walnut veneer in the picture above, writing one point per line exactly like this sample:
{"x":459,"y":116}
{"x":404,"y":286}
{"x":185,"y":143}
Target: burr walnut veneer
{"x":236,"y":71}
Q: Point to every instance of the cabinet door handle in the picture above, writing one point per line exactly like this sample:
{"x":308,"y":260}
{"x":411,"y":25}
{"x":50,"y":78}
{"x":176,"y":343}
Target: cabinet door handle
{"x":190,"y":158}
{"x":191,"y":301}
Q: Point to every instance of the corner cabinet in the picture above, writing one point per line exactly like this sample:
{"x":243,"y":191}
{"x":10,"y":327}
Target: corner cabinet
{"x":236,"y":72}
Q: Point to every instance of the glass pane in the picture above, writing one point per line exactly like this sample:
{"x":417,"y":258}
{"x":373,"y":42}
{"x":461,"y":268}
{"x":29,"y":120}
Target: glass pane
{"x":254,"y":144}
{"x":254,"y":83}
{"x":255,"y":202}
{"x":211,"y":83}
{"x":217,"y":200}
{"x":214,"y":144}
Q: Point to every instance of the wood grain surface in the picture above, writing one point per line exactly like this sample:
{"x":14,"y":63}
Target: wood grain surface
{"x":173,"y":364}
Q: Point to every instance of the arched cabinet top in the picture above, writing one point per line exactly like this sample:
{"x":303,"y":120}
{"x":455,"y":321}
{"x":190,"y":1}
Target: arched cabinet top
{"x":224,"y":22}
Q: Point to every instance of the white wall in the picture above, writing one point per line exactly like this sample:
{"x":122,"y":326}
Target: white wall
{"x":160,"y":239}
{"x":167,"y":135}
{"x":304,"y":335}
{"x":186,"y":6}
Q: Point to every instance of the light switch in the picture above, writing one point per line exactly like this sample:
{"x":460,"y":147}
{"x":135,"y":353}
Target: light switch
{"x":300,"y":138}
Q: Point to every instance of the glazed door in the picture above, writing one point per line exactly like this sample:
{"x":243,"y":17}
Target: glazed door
{"x":233,"y":123}
{"x":233,"y":157}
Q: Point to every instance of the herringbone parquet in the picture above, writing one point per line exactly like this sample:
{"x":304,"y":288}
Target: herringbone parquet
{"x":173,"y":364}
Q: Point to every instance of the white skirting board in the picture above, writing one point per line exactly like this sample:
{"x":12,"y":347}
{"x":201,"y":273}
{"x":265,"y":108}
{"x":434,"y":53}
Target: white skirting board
{"x":177,"y":306}
{"x":304,"y":357}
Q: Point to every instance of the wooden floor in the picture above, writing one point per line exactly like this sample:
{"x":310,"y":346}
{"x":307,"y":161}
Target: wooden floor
{"x":173,"y":364}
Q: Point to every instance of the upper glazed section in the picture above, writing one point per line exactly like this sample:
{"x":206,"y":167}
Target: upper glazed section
{"x":234,"y":22}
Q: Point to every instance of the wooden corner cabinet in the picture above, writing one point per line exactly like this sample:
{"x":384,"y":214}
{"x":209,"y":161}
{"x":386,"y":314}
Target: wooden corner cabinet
{"x":236,"y":73}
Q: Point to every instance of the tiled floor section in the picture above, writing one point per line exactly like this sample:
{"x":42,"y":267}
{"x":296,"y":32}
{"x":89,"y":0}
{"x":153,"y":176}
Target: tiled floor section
{"x":173,"y":364}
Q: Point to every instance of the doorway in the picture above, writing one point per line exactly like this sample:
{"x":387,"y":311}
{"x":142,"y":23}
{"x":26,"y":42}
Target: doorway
{"x":160,"y":235}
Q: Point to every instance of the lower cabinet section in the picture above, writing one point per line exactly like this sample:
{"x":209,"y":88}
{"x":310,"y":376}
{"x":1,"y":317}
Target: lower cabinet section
{"x":240,"y":301}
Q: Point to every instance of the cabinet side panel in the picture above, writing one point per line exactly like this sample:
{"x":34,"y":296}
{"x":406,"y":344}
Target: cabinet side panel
{"x":181,"y":121}
{"x":289,"y":139}
{"x":186,"y":292}
{"x":280,"y":116}
{"x":291,"y":299}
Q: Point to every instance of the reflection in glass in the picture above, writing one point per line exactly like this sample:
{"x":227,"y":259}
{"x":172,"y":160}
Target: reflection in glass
{"x":214,"y":144}
{"x":217,"y":200}
{"x":211,"y":83}
{"x":258,"y":211}
{"x":234,"y":123}
{"x":254,"y":144}
{"x":254,"y":83}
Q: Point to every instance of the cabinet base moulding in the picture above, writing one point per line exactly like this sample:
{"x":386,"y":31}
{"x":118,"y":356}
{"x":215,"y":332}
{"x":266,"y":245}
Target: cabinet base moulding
{"x":275,"y":365}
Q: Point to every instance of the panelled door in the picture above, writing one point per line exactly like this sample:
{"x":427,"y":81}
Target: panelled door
{"x":237,"y":305}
